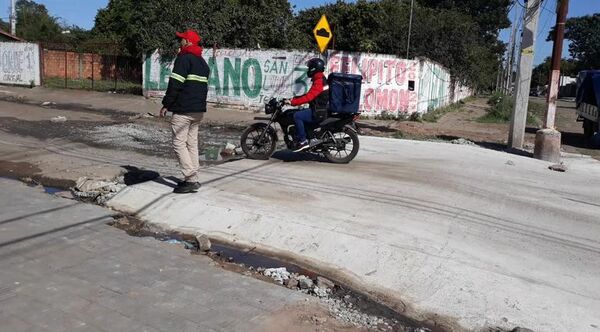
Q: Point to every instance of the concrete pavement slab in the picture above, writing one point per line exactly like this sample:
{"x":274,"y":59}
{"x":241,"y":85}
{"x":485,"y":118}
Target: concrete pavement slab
{"x":62,"y":268}
{"x":447,"y":232}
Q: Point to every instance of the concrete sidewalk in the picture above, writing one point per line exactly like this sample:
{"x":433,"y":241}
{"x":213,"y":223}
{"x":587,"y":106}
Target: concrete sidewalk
{"x":458,"y":234}
{"x":63,"y":269}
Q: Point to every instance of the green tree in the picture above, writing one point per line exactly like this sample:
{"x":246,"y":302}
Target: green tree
{"x":34,"y":23}
{"x":541,"y":72}
{"x":127,"y":23}
{"x":584,"y":35}
{"x":450,"y":35}
{"x":151,"y":24}
{"x":489,"y":15}
{"x":4,"y":26}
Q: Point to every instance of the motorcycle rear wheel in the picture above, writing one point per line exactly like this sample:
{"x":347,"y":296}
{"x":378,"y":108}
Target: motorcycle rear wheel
{"x":346,"y":148}
{"x":253,"y":148}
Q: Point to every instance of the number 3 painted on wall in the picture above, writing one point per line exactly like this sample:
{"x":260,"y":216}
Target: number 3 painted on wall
{"x":301,"y":79}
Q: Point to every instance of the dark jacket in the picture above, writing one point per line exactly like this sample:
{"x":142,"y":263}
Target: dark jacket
{"x":188,"y":83}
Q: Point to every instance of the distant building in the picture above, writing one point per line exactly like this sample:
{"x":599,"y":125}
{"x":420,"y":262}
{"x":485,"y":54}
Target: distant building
{"x":7,"y":37}
{"x":567,"y":87}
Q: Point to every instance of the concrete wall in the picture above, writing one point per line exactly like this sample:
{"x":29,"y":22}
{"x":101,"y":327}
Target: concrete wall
{"x":389,"y":84}
{"x":250,"y":77}
{"x":240,"y":77}
{"x":19,"y":63}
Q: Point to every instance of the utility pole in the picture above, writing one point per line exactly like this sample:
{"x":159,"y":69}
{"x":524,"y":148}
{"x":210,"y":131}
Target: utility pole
{"x":518,"y":118}
{"x":511,"y":54}
{"x":499,"y":77}
{"x":412,"y":5}
{"x":13,"y":17}
{"x":547,"y":140}
{"x":561,"y":19}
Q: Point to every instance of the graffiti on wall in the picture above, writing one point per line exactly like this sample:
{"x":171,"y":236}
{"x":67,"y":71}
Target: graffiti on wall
{"x":435,"y":89}
{"x":252,"y":77}
{"x":389,"y":83}
{"x":245,"y":77}
{"x":19,"y":63}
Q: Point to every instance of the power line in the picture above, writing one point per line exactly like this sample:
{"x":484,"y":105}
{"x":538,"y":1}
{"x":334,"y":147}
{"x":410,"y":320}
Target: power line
{"x":547,"y":21}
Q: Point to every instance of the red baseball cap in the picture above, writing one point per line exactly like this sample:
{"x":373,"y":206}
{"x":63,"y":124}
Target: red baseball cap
{"x":190,"y":35}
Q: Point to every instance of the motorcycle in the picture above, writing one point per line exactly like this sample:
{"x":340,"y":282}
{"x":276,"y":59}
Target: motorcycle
{"x":336,"y":137}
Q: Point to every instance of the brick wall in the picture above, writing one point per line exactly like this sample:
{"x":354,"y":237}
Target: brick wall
{"x":80,"y":66}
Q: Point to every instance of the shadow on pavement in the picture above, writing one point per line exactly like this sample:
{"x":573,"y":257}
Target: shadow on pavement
{"x":501,"y":147}
{"x":289,"y":156}
{"x":136,"y":175}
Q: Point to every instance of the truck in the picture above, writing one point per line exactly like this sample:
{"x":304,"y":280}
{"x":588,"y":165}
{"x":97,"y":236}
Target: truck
{"x":588,"y":101}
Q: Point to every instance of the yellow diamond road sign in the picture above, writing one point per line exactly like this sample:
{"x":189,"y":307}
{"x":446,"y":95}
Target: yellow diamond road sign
{"x":323,"y":33}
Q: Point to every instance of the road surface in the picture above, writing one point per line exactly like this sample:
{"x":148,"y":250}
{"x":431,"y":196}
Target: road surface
{"x":464,"y":236}
{"x":62,"y":268}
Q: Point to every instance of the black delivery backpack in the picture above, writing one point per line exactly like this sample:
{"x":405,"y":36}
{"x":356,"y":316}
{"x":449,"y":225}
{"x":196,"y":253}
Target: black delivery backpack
{"x":344,"y":93}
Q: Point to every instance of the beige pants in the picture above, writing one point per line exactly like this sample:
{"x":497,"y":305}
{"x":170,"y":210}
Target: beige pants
{"x":185,"y":143}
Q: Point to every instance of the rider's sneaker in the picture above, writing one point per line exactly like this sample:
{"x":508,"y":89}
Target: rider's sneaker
{"x":314,"y":142}
{"x":302,"y":146}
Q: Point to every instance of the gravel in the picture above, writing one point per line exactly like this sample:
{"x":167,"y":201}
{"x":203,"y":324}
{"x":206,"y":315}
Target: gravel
{"x":346,"y":313}
{"x":131,"y":135}
{"x":279,"y":274}
{"x":462,"y":141}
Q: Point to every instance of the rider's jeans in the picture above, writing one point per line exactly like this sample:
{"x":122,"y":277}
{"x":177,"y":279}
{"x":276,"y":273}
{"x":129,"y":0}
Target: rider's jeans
{"x":302,"y":118}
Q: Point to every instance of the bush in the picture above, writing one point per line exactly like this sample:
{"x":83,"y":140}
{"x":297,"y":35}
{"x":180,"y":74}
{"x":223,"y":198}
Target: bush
{"x":435,"y":115}
{"x":501,"y":108}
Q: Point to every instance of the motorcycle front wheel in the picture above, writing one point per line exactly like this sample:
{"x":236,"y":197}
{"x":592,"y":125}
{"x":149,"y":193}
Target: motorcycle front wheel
{"x":256,"y":148}
{"x":344,"y":147}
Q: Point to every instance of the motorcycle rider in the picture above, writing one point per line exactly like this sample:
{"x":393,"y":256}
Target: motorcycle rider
{"x":316,"y":97}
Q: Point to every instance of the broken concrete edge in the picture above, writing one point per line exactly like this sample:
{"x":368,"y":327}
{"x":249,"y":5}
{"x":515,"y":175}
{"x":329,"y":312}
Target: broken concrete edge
{"x":339,"y":276}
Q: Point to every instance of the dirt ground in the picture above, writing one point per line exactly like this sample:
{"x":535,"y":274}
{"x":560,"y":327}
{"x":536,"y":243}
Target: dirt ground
{"x":107,"y":136}
{"x":463,"y":124}
{"x":306,"y":317}
{"x":103,"y":135}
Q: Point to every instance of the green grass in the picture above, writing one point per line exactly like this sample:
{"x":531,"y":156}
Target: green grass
{"x":398,"y":134}
{"x":99,"y":85}
{"x":435,"y":115}
{"x":501,"y":107}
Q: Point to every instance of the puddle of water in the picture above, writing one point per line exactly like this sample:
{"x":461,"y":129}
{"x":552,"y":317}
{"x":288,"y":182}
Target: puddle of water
{"x":53,"y":190}
{"x":32,"y":183}
{"x":244,"y":260}
{"x":250,"y":259}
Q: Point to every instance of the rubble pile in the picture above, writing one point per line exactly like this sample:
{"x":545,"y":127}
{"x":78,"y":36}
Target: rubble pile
{"x":97,"y":191}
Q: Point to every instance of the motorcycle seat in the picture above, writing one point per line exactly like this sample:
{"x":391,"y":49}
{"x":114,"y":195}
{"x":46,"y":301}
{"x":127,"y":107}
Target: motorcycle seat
{"x":328,"y":121}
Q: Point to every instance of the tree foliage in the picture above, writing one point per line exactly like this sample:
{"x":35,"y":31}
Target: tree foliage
{"x":460,"y":34}
{"x":541,"y":72}
{"x":34,"y":23}
{"x":453,"y":33}
{"x":151,"y":24}
{"x":584,"y":34}
{"x":4,"y":25}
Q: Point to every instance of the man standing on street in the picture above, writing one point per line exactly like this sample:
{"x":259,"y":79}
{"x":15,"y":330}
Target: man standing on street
{"x":186,"y":98}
